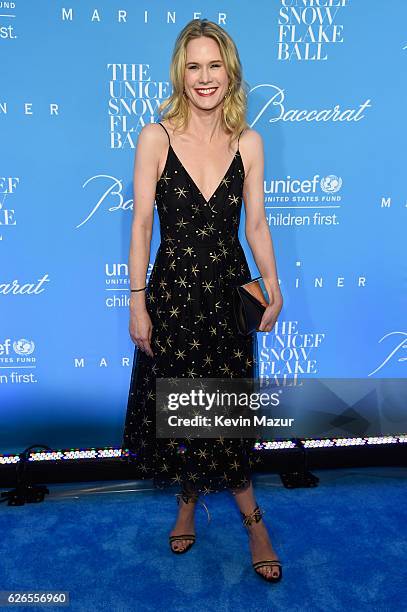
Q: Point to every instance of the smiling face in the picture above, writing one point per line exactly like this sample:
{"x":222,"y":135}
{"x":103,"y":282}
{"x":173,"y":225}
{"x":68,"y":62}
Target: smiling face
{"x":206,"y":80}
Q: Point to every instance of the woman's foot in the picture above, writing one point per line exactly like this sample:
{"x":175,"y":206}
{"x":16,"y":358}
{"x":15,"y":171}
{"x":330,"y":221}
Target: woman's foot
{"x":184,"y":525}
{"x":261,"y":548}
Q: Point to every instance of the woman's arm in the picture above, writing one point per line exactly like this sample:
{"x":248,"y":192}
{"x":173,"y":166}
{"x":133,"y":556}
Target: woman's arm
{"x":149,"y":146}
{"x":257,"y":229}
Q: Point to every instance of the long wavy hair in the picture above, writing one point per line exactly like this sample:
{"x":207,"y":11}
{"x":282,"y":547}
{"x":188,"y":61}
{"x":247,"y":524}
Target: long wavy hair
{"x":234,"y":109}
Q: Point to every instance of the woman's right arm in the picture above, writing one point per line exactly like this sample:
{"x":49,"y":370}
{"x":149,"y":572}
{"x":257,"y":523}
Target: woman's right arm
{"x":144,"y":186}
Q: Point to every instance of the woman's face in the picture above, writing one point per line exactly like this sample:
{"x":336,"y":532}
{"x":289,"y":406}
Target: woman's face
{"x":206,"y":80}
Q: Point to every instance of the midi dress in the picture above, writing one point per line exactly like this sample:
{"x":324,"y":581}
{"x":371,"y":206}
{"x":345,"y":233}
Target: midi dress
{"x":189,"y":299}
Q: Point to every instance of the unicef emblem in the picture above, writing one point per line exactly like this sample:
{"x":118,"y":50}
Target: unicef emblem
{"x":331,"y":183}
{"x":23,"y":346}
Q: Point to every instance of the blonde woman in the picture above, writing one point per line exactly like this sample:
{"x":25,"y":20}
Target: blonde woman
{"x":196,"y":164}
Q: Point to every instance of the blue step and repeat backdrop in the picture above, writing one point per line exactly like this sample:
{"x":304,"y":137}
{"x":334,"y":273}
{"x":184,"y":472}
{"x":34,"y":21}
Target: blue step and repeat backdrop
{"x":79,"y":79}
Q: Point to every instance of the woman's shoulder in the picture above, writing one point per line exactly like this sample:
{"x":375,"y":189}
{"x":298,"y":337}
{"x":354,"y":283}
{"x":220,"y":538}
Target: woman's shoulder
{"x":251,"y":137}
{"x":152,"y":134}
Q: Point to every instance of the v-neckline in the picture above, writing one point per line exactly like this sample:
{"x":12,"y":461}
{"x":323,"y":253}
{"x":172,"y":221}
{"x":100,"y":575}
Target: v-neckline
{"x":194,"y":183}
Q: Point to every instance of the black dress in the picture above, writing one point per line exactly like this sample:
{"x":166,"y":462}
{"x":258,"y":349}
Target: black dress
{"x":189,"y":299}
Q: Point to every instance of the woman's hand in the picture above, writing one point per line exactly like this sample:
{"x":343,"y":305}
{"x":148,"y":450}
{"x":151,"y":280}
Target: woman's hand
{"x":141,"y":329}
{"x":272,"y":311}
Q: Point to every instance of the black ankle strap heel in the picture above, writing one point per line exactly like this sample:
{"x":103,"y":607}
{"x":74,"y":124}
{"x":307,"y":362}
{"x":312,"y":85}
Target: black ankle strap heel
{"x":254,"y":517}
{"x":187,"y":498}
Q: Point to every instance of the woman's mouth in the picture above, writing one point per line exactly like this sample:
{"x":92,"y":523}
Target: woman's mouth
{"x":206,"y":91}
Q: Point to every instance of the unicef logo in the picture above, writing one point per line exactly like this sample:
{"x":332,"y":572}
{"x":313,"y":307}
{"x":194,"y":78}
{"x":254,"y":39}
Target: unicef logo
{"x":331,"y":183}
{"x":23,"y":346}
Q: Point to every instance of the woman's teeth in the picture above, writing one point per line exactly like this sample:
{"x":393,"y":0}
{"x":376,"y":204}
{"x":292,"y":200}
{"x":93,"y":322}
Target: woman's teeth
{"x":207,"y":91}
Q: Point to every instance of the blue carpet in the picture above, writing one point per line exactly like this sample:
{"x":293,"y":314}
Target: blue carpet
{"x":343,"y":546}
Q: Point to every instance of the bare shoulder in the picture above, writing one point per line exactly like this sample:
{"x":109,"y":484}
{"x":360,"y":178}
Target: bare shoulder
{"x":152,"y":136}
{"x":251,"y":139}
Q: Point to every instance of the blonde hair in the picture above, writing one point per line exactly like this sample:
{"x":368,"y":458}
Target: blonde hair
{"x":235,"y":103}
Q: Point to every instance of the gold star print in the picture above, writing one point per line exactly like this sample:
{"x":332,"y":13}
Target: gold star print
{"x":217,"y":305}
{"x":188,"y":251}
{"x":230,"y":272}
{"x":167,"y":295}
{"x":164,"y":467}
{"x":212,"y":330}
{"x":208,"y":360}
{"x":228,"y":450}
{"x":150,"y":395}
{"x":151,"y":297}
{"x":195,"y":208}
{"x":225,"y":369}
{"x":233,"y":199}
{"x":174,"y":311}
{"x":143,"y":468}
{"x":208,"y":286}
{"x":170,"y":251}
{"x":225,"y":477}
{"x":194,"y":270}
{"x":210,"y":227}
{"x":169,"y":239}
{"x":224,"y":251}
{"x":163,"y":283}
{"x":192,"y":476}
{"x":202,"y":453}
{"x":182,"y":281}
{"x":165,"y":177}
{"x":238,"y":353}
{"x":248,"y":362}
{"x":189,"y":298}
{"x":215,"y":257}
{"x":225,"y":181}
{"x":172,"y":265}
{"x":146,"y":421}
{"x":191,"y":373}
{"x":176,"y":479}
{"x":180,"y":354}
{"x":201,"y":317}
{"x":220,"y":439}
{"x":213,"y":465}
{"x":203,"y":232}
{"x":206,"y":490}
{"x":194,"y":343}
{"x":182,"y":223}
{"x":172,"y":443}
{"x":235,"y":465}
{"x":180,"y":191}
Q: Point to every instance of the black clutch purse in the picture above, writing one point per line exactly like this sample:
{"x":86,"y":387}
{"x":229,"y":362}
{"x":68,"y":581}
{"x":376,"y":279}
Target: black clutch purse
{"x":249,"y":303}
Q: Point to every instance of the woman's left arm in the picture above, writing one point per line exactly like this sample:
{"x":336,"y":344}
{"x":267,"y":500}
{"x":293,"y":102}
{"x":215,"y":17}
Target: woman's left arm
{"x":257,"y":229}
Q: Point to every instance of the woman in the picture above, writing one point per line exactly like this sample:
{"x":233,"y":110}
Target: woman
{"x":182,"y":323}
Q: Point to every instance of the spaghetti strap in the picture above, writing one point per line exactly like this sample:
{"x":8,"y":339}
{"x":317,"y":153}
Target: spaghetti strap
{"x":238,"y":138}
{"x":169,"y":141}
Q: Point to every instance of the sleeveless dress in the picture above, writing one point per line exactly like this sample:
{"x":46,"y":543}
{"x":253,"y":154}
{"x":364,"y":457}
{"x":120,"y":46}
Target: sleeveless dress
{"x":189,"y":299}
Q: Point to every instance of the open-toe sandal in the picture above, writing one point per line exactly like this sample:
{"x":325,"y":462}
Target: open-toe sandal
{"x":187,"y":498}
{"x":255,"y":517}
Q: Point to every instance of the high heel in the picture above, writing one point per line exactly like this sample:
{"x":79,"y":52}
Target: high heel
{"x":187,"y":498}
{"x":249,"y":519}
